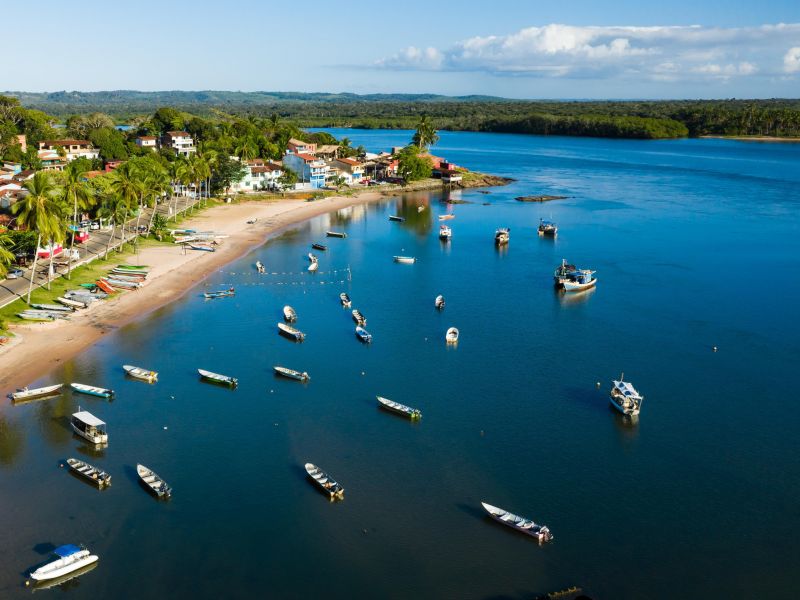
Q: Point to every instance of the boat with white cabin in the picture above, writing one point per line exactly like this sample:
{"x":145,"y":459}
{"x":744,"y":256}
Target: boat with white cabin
{"x":364,"y":335}
{"x":547,"y":228}
{"x":89,"y":427}
{"x":451,"y":337}
{"x":445,"y":233}
{"x":70,"y":558}
{"x":502,"y":236}
{"x":625,"y":398}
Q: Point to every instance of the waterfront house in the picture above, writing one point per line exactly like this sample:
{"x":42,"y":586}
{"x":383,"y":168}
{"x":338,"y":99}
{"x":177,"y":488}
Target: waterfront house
{"x":179,"y":142}
{"x":72,"y":148}
{"x":309,"y":168}
{"x":260,"y":175}
{"x":295,"y":146}
{"x":147,"y":141}
{"x":351,"y":169}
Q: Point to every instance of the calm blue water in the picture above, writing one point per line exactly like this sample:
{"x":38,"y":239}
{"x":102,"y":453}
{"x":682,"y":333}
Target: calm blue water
{"x":696,"y":244}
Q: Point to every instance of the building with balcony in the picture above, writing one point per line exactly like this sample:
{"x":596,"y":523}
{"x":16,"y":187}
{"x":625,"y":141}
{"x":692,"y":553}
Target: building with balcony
{"x":260,"y":175}
{"x":296,"y":146}
{"x":309,"y":169}
{"x":352,"y":170}
{"x":147,"y":141}
{"x":72,"y":148}
{"x":179,"y":142}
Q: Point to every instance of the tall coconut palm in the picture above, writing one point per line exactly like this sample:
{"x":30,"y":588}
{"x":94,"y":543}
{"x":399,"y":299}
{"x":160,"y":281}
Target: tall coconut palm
{"x":158,"y":185}
{"x":114,"y":209}
{"x":76,"y":193}
{"x":125,"y":184}
{"x":212,"y":160}
{"x":201,"y":172}
{"x":246,"y":149}
{"x":185,"y":176}
{"x":6,"y":255}
{"x":41,"y":212}
{"x":425,"y":135}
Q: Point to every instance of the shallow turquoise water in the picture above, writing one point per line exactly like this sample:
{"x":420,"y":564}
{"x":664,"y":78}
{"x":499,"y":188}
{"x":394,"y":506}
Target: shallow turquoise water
{"x":695,"y":243}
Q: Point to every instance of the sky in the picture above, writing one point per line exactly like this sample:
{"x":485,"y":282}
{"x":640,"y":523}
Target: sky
{"x":589,"y":49}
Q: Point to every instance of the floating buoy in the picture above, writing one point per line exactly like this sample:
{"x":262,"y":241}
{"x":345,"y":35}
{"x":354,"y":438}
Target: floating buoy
{"x":61,"y":465}
{"x":165,"y":427}
{"x":27,"y":583}
{"x":714,"y":348}
{"x":598,"y":384}
{"x":272,"y":391}
{"x":363,"y":372}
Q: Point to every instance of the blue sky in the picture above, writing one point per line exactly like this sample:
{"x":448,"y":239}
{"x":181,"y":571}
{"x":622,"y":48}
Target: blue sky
{"x":520,"y":49}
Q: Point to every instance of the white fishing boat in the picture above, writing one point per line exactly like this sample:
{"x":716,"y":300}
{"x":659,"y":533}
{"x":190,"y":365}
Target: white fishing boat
{"x":217,"y":378}
{"x":337,"y":234}
{"x":521,"y":524}
{"x":326,"y":483}
{"x":91,"y":390}
{"x":439,"y":302}
{"x":292,"y":374}
{"x":406,"y":260}
{"x":29,"y":394}
{"x":345,"y":300}
{"x":411,"y":413}
{"x":451,"y":337}
{"x":358,"y":317}
{"x":70,"y":558}
{"x":54,"y":308}
{"x":202,"y":247}
{"x":86,"y":425}
{"x":140,"y":373}
{"x":289,"y":314}
{"x":291,"y":332}
{"x":313,"y":266}
{"x":94,"y":475}
{"x":625,"y":398}
{"x":312,"y":258}
{"x":364,"y":335}
{"x":260,"y":267}
{"x":502,"y":236}
{"x":547,"y":228}
{"x":445,"y":233}
{"x":72,"y":303}
{"x":572,"y":279}
{"x":156,"y":484}
{"x":31,"y":316}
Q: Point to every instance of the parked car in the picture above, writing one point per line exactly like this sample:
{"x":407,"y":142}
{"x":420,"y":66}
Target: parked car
{"x":14,"y":274}
{"x":94,"y":225}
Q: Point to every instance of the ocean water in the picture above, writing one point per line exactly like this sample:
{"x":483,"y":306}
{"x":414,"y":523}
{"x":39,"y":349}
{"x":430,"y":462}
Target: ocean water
{"x":696,"y":244}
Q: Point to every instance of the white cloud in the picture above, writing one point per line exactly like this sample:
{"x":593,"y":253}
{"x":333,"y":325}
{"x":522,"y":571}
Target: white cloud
{"x":663,"y":53}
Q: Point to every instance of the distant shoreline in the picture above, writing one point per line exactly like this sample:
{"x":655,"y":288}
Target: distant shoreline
{"x":753,"y":138}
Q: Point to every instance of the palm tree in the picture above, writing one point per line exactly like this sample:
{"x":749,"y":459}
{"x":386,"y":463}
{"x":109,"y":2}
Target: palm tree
{"x":39,"y":211}
{"x":185,"y":175}
{"x":126,"y":185}
{"x":6,"y":255}
{"x":425,"y":136}
{"x":158,"y":185}
{"x":76,"y":192}
{"x":115,"y":210}
{"x":212,"y":160}
{"x":201,"y":172}
{"x":246,"y":149}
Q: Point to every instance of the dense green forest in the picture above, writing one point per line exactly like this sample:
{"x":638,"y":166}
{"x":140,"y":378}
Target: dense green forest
{"x":636,"y":119}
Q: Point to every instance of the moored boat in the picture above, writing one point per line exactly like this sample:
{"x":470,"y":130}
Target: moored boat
{"x":30,"y":316}
{"x":451,"y":337}
{"x":358,"y":317}
{"x":625,"y":398}
{"x":445,"y":233}
{"x":91,"y":473}
{"x":91,"y":390}
{"x":155,"y":483}
{"x":345,"y":300}
{"x":547,"y":228}
{"x":326,"y":483}
{"x":202,"y":247}
{"x":217,"y":378}
{"x":521,"y":524}
{"x":502,"y":236}
{"x":29,"y":394}
{"x":133,"y":267}
{"x":292,"y":374}
{"x":71,"y":303}
{"x":407,"y":260}
{"x":140,"y":373}
{"x":411,"y":413}
{"x":260,"y":267}
{"x":89,"y":427}
{"x":70,"y":558}
{"x":313,"y":266}
{"x":220,"y":294}
{"x":364,"y":335}
{"x":571,"y":279}
{"x":312,"y":257}
{"x":320,"y":247}
{"x":396,"y":218}
{"x":291,"y":332}
{"x":446,"y":217}
{"x":439,"y":302}
{"x":105,"y":286}
{"x":289,"y":314}
{"x":336,"y":234}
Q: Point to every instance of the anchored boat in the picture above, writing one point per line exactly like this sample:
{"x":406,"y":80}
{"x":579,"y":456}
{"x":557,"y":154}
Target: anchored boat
{"x":321,"y":247}
{"x":358,"y":317}
{"x":407,"y":260}
{"x":521,"y":524}
{"x":502,"y":236}
{"x":446,"y":217}
{"x":345,"y":300}
{"x":86,"y":425}
{"x":96,"y":476}
{"x":292,"y":374}
{"x":220,"y":294}
{"x":396,"y":218}
{"x":445,"y":233}
{"x":289,"y":314}
{"x":625,"y":398}
{"x":326,"y":483}
{"x":336,"y":234}
{"x":217,"y":378}
{"x":291,"y":332}
{"x":439,"y":302}
{"x":91,"y":390}
{"x":411,"y":413}
{"x":139,"y":373}
{"x":547,"y":228}
{"x":451,"y":337}
{"x":157,"y":485}
{"x":29,"y":394}
{"x":572,"y":279}
{"x":364,"y":335}
{"x":70,"y":558}
{"x":260,"y":267}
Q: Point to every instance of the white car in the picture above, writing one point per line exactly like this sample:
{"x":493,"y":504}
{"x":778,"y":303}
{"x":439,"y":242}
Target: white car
{"x":14,"y":274}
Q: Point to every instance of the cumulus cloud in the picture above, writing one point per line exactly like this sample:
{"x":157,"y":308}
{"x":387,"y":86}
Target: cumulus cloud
{"x":657,"y":53}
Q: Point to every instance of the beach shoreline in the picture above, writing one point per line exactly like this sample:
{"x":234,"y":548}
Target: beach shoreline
{"x":173,"y":273}
{"x":754,"y":138}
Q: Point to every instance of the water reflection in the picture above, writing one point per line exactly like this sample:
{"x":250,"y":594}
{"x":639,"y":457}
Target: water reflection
{"x":417,"y":214}
{"x":572,"y":298}
{"x":53,"y":419}
{"x":11,"y":441}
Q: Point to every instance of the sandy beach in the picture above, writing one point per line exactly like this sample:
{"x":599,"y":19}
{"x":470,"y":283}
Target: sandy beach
{"x":39,"y":347}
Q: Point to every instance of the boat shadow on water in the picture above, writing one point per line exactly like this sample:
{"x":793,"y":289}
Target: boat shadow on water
{"x":88,"y":449}
{"x":572,"y":298}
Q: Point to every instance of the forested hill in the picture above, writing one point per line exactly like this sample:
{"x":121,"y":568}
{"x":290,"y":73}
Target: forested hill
{"x":625,"y":119}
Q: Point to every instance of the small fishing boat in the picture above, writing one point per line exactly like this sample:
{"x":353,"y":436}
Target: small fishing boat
{"x":291,"y":332}
{"x":70,"y":558}
{"x":260,"y":267}
{"x":71,"y":303}
{"x":577,"y":281}
{"x":396,"y":218}
{"x":97,"y":476}
{"x":501,"y":236}
{"x":325,"y":481}
{"x":202,"y":247}
{"x":132,"y":275}
{"x":54,"y":308}
{"x":29,"y":394}
{"x":364,"y":335}
{"x":91,"y":390}
{"x":312,"y":258}
{"x":547,"y":228}
{"x":406,"y":260}
{"x":625,"y":398}
{"x":358,"y":317}
{"x":158,"y":486}
{"x":89,"y":427}
{"x":289,"y":314}
{"x":402,"y":409}
{"x":420,"y":209}
{"x":29,"y":316}
{"x":521,"y":524}
{"x":336,"y":234}
{"x":445,"y":233}
{"x":217,"y":378}
{"x":128,"y":285}
{"x":133,"y":267}
{"x":105,"y":286}
{"x":139,"y":373}
{"x":451,"y":337}
{"x":292,"y":374}
{"x":345,"y":300}
{"x":220,"y":294}
{"x":313,"y":266}
{"x":321,"y":247}
{"x":439,"y":302}
{"x":446,"y":217}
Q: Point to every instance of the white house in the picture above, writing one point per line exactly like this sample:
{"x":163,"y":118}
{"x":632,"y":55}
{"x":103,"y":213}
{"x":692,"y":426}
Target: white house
{"x":349,"y":168}
{"x":72,"y":148}
{"x":309,"y":169}
{"x":147,"y":141}
{"x":180,"y":142}
{"x":260,"y":175}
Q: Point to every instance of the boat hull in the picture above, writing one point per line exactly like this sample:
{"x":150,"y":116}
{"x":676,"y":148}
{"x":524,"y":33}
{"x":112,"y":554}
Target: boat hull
{"x":43,"y":575}
{"x":571,"y":286}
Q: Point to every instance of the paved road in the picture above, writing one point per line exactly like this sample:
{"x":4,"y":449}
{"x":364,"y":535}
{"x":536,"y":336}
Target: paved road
{"x":95,"y":246}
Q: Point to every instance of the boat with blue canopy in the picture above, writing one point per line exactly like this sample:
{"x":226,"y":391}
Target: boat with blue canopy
{"x":70,"y":558}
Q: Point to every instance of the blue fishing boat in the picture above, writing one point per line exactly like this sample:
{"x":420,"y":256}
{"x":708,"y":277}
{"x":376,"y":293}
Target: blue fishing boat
{"x":91,"y":390}
{"x":364,"y":335}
